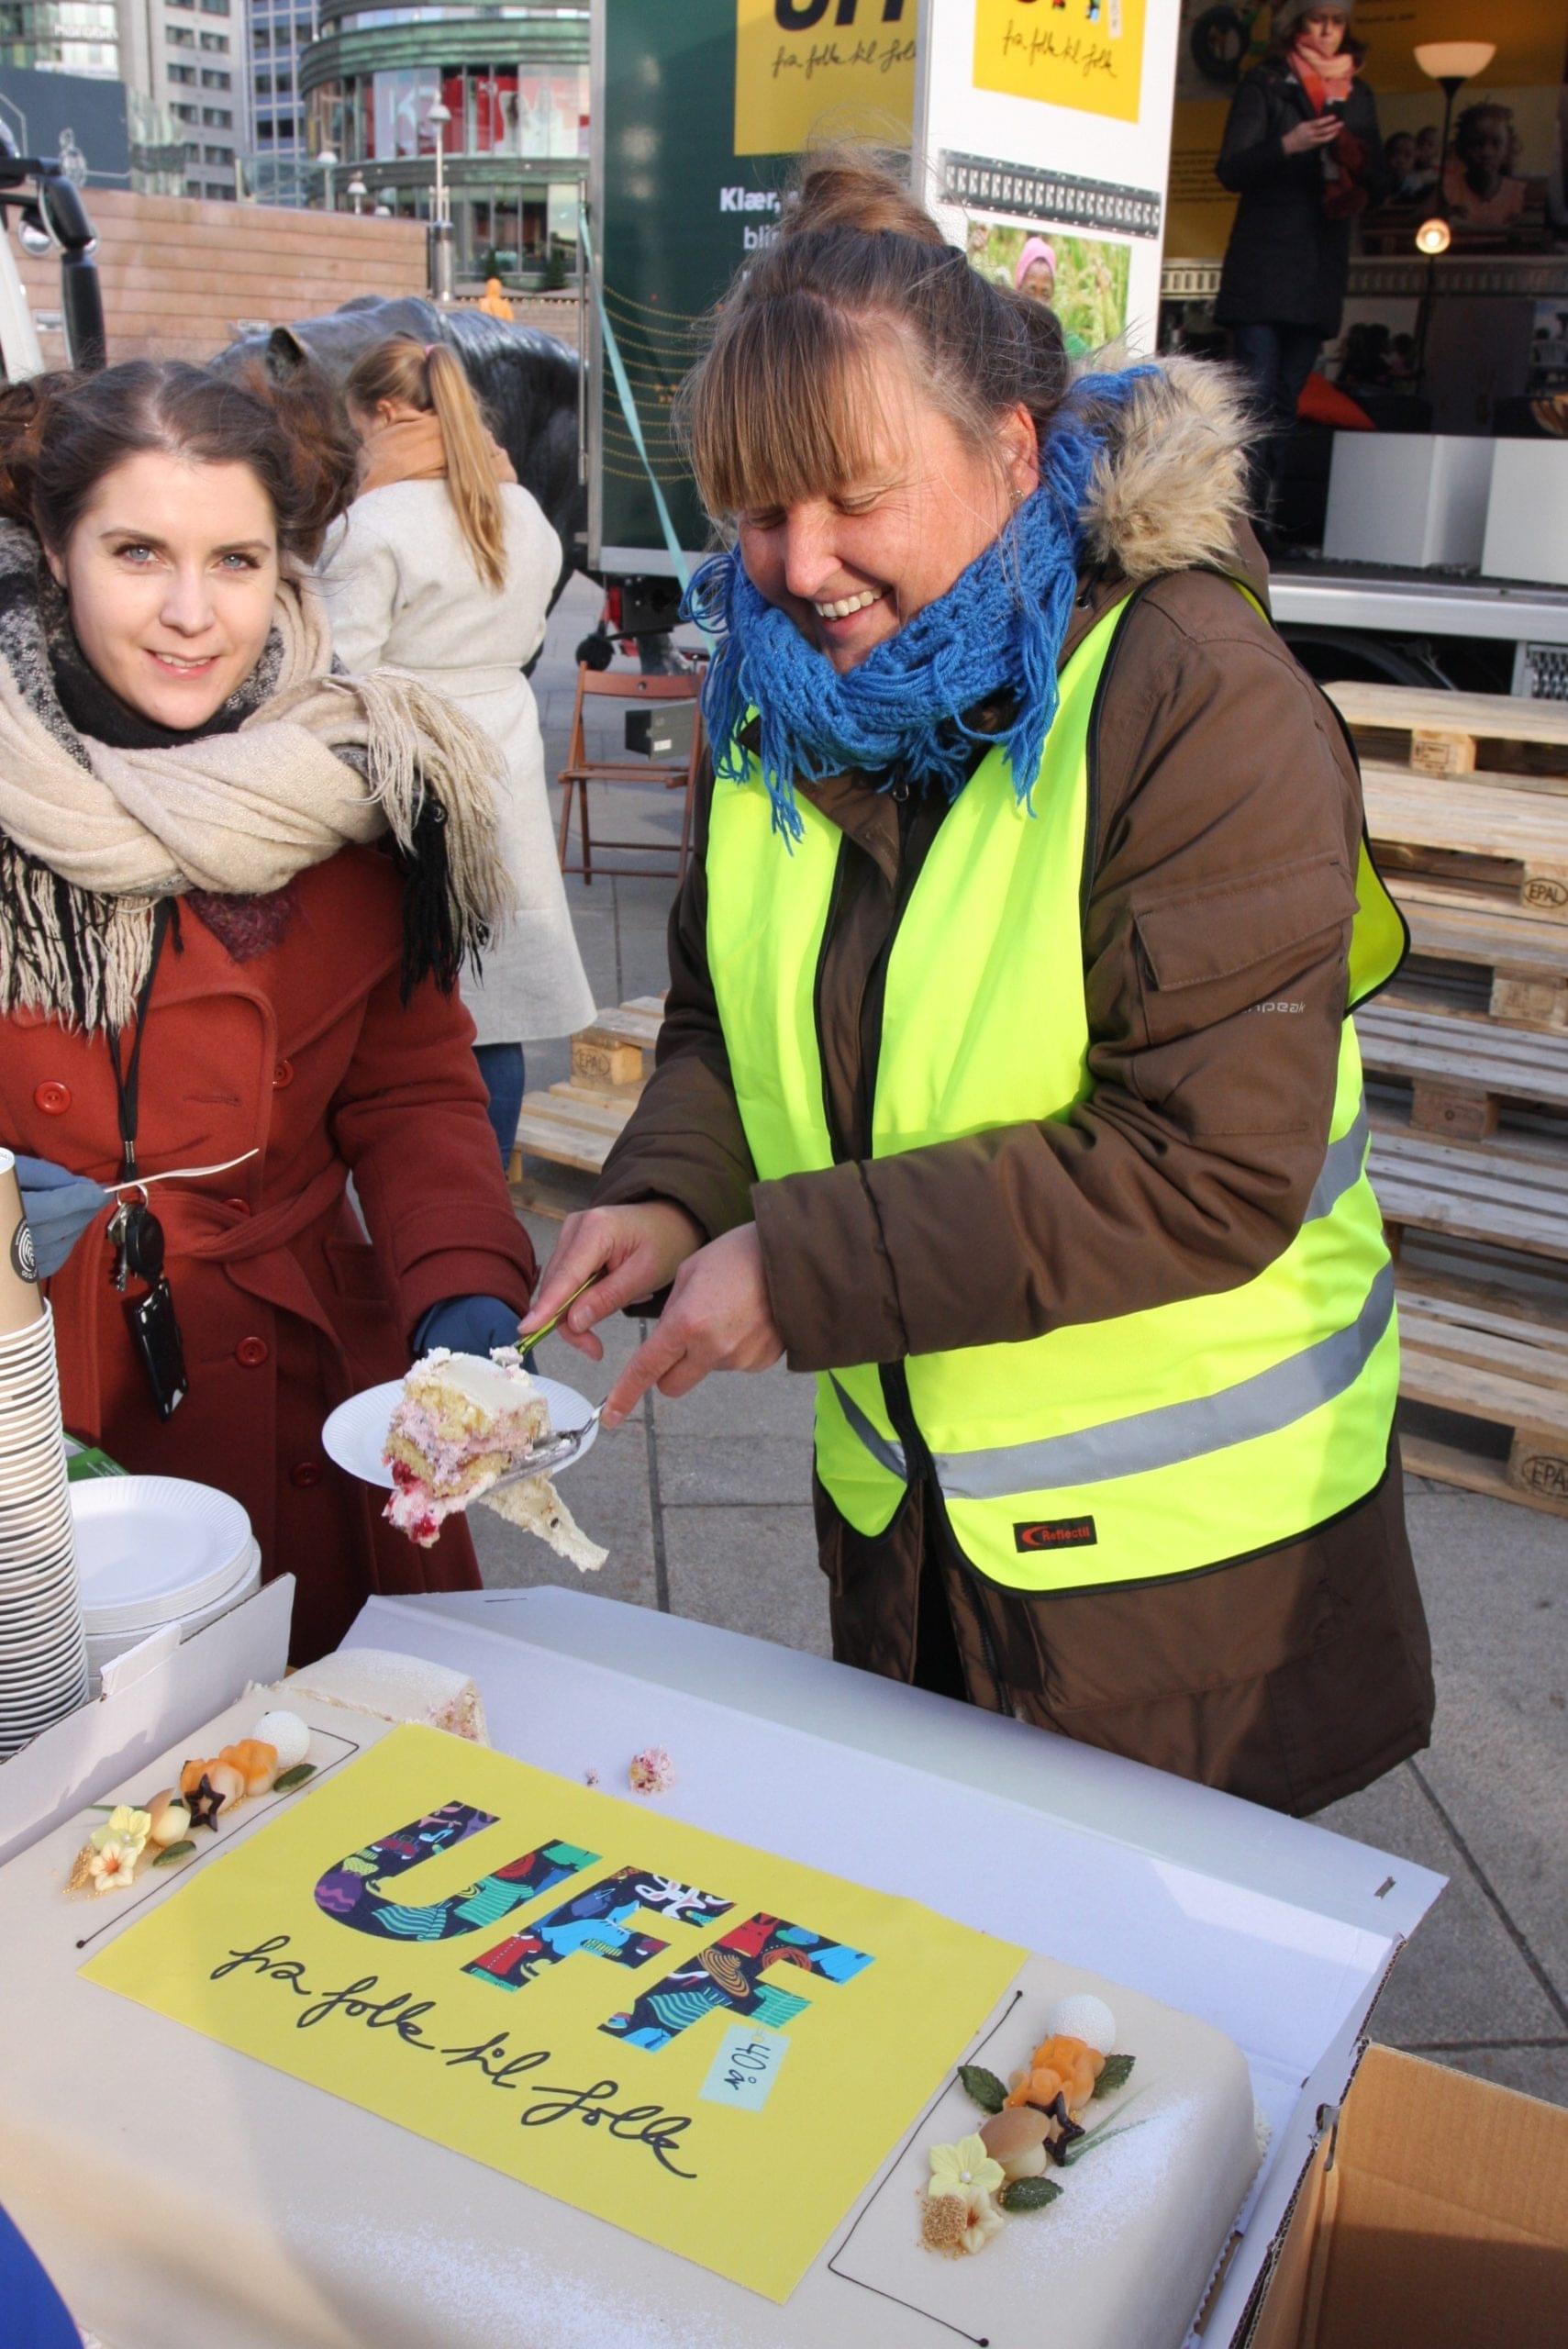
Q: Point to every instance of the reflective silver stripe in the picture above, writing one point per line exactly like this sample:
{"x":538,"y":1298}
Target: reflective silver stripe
{"x":1341,"y":1168}
{"x":882,"y":1448}
{"x":1274,"y":1400}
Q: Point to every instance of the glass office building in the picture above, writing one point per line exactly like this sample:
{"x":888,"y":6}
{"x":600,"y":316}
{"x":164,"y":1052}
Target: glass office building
{"x":514,"y":83}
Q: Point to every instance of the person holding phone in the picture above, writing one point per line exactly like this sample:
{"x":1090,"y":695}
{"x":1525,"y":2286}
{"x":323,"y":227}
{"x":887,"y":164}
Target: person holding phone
{"x":1303,"y":152}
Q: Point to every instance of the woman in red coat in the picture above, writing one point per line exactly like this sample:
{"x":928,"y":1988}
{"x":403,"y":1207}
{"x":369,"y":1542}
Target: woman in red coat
{"x":234,"y":892}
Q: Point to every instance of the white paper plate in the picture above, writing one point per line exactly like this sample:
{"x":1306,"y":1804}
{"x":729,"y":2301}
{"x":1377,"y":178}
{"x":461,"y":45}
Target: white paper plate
{"x":355,"y":1435}
{"x":151,"y":1548}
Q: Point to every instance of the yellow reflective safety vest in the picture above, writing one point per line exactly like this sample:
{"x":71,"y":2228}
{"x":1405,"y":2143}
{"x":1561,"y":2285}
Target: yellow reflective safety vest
{"x":1099,"y":1455}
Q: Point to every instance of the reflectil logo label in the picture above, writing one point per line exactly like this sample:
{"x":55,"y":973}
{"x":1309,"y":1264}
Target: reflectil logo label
{"x":1056,"y":1533}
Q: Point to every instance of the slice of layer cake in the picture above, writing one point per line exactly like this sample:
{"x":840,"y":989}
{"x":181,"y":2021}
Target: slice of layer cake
{"x":462,"y":1422}
{"x":391,"y":1688}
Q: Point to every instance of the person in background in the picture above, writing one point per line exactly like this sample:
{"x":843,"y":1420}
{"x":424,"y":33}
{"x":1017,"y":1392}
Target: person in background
{"x":1429,"y":158}
{"x":444,"y":567}
{"x":235,"y":887}
{"x":1303,"y":153}
{"x":1480,"y":186}
{"x":1007,"y":1080}
{"x":1035,"y":273}
{"x":1398,"y":164}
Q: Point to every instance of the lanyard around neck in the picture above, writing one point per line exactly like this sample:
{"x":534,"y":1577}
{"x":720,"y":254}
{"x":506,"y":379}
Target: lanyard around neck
{"x":128,"y":1083}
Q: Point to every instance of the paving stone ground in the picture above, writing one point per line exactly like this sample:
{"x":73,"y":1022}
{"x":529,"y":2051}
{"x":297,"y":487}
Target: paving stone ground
{"x":704,"y":1505}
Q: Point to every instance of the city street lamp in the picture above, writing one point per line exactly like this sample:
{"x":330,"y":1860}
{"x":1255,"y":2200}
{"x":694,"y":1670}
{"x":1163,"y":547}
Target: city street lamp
{"x":441,"y":255}
{"x":327,"y":163}
{"x":358,"y":192}
{"x":438,"y":118}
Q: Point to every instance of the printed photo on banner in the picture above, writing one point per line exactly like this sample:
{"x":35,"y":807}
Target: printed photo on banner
{"x":1084,"y":54}
{"x":1085,"y":279}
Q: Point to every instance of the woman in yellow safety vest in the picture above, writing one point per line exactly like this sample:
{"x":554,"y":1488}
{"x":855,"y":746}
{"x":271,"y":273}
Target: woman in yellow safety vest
{"x":1007,"y":1081}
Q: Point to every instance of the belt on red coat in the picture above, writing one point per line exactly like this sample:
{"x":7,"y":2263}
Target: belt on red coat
{"x":216,"y":1232}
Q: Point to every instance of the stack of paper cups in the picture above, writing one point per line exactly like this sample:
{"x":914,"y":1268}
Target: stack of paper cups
{"x":43,"y":1655}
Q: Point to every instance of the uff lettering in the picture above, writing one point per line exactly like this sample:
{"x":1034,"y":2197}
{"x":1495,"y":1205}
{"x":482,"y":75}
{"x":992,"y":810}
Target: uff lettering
{"x":801,"y":16}
{"x":600,"y":1919}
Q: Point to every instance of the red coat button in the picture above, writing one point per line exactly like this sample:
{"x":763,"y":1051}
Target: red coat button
{"x":305,"y":1473}
{"x":53,"y":1098}
{"x":252,"y":1353}
{"x":283,"y":1074}
{"x":240,"y":1206}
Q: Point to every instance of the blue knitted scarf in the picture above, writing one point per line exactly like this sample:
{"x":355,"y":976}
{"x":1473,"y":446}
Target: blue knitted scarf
{"x":999,"y":628}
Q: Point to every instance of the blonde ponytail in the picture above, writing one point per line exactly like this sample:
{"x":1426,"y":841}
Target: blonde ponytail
{"x":430,"y":379}
{"x":470,"y":479}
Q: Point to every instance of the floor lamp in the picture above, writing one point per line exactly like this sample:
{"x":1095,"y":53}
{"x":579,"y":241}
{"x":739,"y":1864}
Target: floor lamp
{"x":1450,"y":65}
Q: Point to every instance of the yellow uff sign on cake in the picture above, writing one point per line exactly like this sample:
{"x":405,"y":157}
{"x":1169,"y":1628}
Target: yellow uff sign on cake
{"x":802,"y":64}
{"x":709,"y":2046}
{"x":1086,"y":54}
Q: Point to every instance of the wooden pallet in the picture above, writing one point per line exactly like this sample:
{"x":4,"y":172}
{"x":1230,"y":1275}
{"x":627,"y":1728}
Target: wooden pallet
{"x":1509,"y":1193}
{"x":575,"y":1124}
{"x":1476,"y":844}
{"x":1462,"y":1075}
{"x":1516,"y":967}
{"x":1503,"y":736}
{"x":1487,"y":1357}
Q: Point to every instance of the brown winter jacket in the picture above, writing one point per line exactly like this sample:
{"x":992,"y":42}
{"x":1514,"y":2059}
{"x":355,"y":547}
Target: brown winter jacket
{"x":1224,"y":819}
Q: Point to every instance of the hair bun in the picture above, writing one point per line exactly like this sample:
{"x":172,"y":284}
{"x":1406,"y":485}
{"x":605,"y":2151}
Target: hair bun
{"x":25,"y":410}
{"x":844,"y":190}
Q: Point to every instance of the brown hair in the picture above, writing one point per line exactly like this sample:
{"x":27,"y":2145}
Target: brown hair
{"x":782,"y":406}
{"x":61,"y":433}
{"x":432,"y":380}
{"x":1285,"y":28}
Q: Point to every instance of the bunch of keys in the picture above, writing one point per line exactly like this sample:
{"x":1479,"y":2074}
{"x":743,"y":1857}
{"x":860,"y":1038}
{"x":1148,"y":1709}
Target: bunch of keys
{"x":138,"y":1238}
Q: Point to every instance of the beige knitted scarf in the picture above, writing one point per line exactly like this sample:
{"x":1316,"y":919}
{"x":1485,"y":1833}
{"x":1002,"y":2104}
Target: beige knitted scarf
{"x":321,"y":762}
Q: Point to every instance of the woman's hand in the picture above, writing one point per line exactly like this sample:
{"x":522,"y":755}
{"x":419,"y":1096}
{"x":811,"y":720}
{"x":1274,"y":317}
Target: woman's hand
{"x":638,"y":1251}
{"x":718,"y":1317}
{"x":1321,"y":131}
{"x":59,"y":1207}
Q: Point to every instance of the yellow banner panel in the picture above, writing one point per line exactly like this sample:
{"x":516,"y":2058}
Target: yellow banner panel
{"x":709,"y":2046}
{"x":1086,"y":54}
{"x":822,"y":68}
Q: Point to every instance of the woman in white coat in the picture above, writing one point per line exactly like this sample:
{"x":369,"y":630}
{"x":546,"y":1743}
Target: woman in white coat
{"x":444,"y":566}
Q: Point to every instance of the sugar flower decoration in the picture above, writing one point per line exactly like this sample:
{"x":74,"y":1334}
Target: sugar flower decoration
{"x":956,"y":2227}
{"x":123,"y":1825}
{"x":965,"y":2170}
{"x":114,"y":1849}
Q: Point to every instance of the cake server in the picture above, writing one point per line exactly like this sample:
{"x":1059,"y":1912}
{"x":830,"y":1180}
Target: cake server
{"x":543,"y":1459}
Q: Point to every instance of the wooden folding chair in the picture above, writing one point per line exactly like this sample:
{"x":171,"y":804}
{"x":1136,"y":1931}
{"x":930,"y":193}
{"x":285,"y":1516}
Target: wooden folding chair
{"x":625,"y":773}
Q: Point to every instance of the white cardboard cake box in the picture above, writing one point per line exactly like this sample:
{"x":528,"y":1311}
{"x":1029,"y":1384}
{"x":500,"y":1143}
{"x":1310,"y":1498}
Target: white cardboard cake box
{"x":1277,"y":1932}
{"x":150,"y":1695}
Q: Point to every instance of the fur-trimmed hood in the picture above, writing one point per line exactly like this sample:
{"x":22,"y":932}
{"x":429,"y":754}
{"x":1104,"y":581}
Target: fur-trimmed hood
{"x":1170,"y":492}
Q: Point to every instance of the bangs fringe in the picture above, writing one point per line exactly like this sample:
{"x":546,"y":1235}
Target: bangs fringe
{"x":790,"y":403}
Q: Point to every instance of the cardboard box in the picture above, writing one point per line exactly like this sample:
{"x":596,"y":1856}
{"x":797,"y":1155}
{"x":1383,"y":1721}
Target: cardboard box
{"x":1434,"y":2216}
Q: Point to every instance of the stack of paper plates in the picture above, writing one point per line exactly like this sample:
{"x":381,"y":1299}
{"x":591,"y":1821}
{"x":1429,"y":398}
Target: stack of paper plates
{"x":152,"y":1551}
